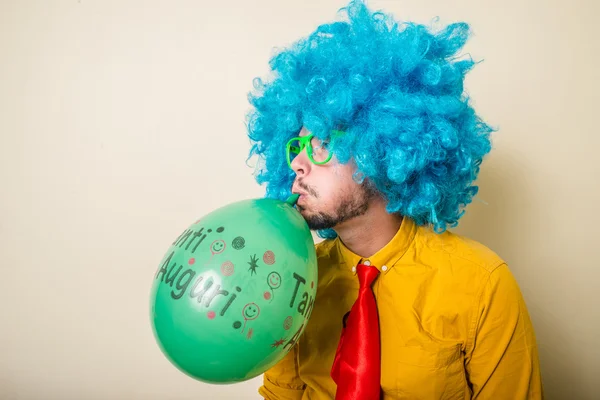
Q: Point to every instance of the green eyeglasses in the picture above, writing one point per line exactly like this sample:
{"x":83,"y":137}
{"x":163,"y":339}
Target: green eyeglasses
{"x":318,"y":151}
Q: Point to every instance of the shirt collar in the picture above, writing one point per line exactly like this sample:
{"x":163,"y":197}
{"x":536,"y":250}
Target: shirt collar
{"x":387,"y":257}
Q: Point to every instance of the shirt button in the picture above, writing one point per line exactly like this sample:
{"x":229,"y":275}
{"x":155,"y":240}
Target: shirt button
{"x":384,"y":268}
{"x":353,"y":269}
{"x":367,"y":263}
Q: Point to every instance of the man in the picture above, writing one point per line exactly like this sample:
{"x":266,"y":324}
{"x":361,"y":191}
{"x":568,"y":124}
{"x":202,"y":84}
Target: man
{"x":366,"y":119}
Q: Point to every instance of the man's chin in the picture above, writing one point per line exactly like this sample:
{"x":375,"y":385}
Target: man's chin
{"x":317,"y":221}
{"x":306,"y":214}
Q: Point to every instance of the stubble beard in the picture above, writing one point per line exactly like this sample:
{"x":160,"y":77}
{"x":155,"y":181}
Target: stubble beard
{"x":352,"y":205}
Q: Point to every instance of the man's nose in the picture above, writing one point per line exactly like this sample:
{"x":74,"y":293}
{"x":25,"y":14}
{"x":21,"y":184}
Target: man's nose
{"x":301,"y":164}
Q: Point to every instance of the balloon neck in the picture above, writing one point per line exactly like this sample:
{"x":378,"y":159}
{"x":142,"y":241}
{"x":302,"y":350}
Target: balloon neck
{"x":292,"y":199}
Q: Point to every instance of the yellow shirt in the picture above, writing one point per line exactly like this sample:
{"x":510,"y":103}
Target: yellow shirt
{"x":453,"y":323}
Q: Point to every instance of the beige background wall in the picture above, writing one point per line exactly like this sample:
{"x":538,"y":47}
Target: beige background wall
{"x":122,"y":121}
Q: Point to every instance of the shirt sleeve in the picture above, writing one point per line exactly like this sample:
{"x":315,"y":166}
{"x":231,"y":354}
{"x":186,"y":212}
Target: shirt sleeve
{"x":502,"y":356}
{"x":282,"y":381}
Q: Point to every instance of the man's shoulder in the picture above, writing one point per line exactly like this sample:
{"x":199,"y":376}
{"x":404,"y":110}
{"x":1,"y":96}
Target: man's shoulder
{"x":461,"y":249}
{"x":324,"y":247}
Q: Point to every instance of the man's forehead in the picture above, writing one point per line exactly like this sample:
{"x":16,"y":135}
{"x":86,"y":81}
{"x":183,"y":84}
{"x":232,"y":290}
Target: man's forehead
{"x":304,"y":132}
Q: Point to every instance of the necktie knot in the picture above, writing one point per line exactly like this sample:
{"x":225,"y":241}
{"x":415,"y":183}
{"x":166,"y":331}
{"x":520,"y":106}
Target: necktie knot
{"x":366,"y":275}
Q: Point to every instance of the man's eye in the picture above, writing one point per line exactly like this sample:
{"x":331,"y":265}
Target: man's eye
{"x":323,"y":145}
{"x":318,"y":144}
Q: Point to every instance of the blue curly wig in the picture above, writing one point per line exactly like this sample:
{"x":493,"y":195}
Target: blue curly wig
{"x":396,"y":89}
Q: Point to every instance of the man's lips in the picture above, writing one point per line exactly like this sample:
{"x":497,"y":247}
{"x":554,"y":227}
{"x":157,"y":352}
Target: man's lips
{"x":302,"y":197}
{"x":298,"y":191}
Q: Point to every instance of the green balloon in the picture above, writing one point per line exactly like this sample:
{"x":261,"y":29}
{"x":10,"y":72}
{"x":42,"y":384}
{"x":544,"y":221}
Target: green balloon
{"x":235,"y":290}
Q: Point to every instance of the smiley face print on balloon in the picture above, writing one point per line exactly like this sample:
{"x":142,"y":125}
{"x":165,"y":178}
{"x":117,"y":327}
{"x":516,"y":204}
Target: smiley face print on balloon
{"x":250,"y":312}
{"x":216,"y":247}
{"x":274,"y":282}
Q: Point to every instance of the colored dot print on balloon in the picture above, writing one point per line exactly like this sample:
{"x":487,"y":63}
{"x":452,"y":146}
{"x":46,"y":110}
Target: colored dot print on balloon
{"x":191,"y":261}
{"x":237,"y":325}
{"x":269,"y":257}
{"x":220,"y":229}
{"x":250,"y":312}
{"x":227,"y":268}
{"x":216,"y":247}
{"x":267,"y":295}
{"x":211,"y":315}
{"x":287,"y":324}
{"x":250,"y":332}
{"x":278,"y":343}
{"x":312,"y":285}
{"x":238,"y":243}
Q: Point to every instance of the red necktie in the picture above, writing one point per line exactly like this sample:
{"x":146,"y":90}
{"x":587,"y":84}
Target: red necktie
{"x":357,"y":363}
